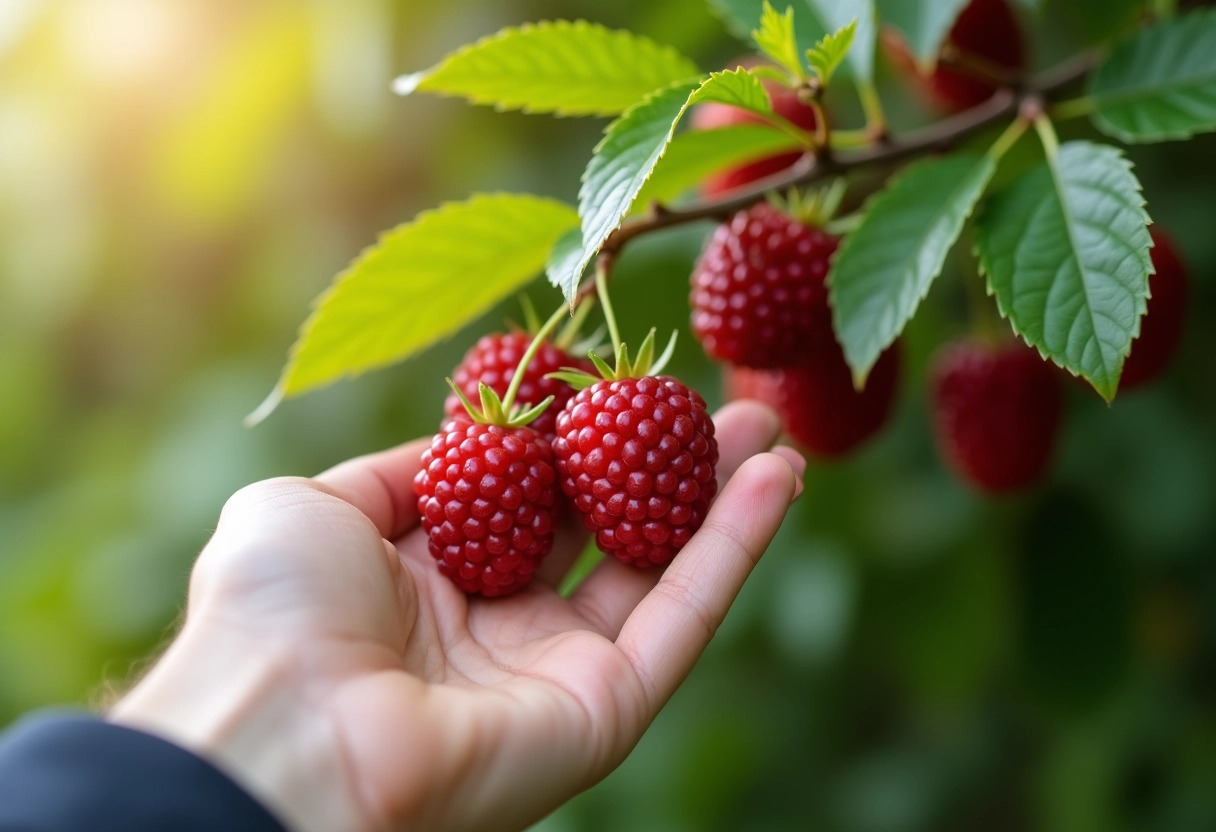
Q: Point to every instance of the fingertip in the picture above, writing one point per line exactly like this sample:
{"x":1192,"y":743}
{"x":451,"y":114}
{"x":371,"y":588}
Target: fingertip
{"x":765,"y":479}
{"x":753,"y":412}
{"x":797,"y":463}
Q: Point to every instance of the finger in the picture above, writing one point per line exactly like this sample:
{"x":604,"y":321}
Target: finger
{"x":797,"y":461}
{"x":666,"y":634}
{"x":381,"y":485}
{"x":743,"y":429}
{"x":611,"y":592}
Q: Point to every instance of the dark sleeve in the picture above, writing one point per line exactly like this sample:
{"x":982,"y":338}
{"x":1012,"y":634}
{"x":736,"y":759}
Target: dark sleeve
{"x":66,"y":773}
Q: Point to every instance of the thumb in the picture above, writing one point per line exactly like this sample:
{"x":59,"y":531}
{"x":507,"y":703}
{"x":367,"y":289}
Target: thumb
{"x":292,"y":551}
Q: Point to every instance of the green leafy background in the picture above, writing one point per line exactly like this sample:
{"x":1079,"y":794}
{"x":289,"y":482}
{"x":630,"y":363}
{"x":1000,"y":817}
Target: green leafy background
{"x":907,"y":657}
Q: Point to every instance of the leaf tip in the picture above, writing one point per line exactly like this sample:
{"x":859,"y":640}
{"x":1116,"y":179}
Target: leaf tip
{"x":406,"y":84}
{"x":860,"y":377}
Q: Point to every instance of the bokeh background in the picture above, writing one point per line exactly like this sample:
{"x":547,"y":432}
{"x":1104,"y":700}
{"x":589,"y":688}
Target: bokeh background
{"x":179,"y":178}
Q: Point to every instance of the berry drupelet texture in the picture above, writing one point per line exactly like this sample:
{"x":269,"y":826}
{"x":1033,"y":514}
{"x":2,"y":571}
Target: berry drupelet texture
{"x":488,"y":499}
{"x":996,"y":412}
{"x":758,"y":293}
{"x":493,"y":359}
{"x":636,"y":458}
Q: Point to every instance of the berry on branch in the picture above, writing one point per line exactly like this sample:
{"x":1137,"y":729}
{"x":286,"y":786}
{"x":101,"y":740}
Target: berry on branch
{"x":819,"y":405}
{"x":636,"y":453}
{"x":487,"y":489}
{"x":758,"y":293}
{"x":996,"y":411}
{"x":492,"y":361}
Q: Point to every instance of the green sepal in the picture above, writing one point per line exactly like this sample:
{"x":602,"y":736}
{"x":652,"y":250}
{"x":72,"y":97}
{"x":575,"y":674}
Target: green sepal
{"x":474,"y":412}
{"x":530,"y":414}
{"x":491,"y":405}
{"x":646,"y":351}
{"x":665,"y":356}
{"x":578,"y":379}
{"x":601,"y":365}
{"x":491,"y":411}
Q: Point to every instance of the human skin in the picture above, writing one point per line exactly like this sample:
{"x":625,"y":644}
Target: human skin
{"x":327,"y":666}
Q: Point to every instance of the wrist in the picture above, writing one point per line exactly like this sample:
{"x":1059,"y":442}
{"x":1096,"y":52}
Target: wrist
{"x":244,"y":707}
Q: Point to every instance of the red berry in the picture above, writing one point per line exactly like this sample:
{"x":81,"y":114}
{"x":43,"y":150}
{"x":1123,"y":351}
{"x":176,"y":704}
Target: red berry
{"x":986,"y":30}
{"x":488,"y":498}
{"x":636,"y":458}
{"x":714,"y":116}
{"x":493,"y":360}
{"x":995,"y":413}
{"x":1161,"y":326}
{"x":758,"y":292}
{"x":818,"y":404}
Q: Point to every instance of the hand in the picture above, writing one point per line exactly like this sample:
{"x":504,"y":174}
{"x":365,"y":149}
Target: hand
{"x":349,"y":685}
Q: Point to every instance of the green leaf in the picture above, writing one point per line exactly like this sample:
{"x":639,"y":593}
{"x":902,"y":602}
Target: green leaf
{"x":741,"y":17}
{"x":696,"y":154}
{"x":1066,"y":251}
{"x":776,"y":39}
{"x":562,"y":67}
{"x":834,"y":15}
{"x":887,"y":264}
{"x":923,"y":25}
{"x":826,"y":56}
{"x":631,"y":147}
{"x":1097,"y":20}
{"x":1160,"y":84}
{"x":421,"y":282}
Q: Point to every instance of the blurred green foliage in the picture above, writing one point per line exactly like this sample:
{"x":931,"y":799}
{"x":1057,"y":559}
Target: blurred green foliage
{"x":179,"y":178}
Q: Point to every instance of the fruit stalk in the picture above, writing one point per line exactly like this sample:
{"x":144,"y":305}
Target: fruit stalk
{"x":942,"y":135}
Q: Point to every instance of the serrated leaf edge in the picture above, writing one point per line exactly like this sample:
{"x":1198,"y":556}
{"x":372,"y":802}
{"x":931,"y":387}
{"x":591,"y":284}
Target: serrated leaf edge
{"x":412,"y":82}
{"x":986,"y":272}
{"x":861,"y":374}
{"x":280,"y":391}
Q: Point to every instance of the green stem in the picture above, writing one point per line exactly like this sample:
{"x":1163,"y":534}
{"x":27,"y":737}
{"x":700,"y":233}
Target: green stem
{"x":822,"y":130}
{"x":508,"y":401}
{"x":601,"y":291}
{"x":1073,"y":108}
{"x":804,"y":138}
{"x":1008,"y":138}
{"x":851,"y":139}
{"x":1047,"y":134}
{"x":871,"y":105}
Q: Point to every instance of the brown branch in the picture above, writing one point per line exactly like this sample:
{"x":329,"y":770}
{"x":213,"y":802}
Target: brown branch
{"x":1004,"y":104}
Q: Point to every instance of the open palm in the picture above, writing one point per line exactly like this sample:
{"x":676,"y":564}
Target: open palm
{"x":455,"y":712}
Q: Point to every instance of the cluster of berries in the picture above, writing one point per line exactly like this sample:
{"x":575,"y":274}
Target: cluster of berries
{"x":760,"y":303}
{"x":632,"y":454}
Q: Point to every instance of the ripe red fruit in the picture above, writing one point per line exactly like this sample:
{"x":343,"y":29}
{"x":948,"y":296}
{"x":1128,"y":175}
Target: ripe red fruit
{"x":1161,"y":327}
{"x":986,"y":31}
{"x":636,"y":458}
{"x":818,"y":404}
{"x":493,"y":359}
{"x":714,"y":116}
{"x":996,"y":411}
{"x":488,"y":499}
{"x":758,"y":293}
